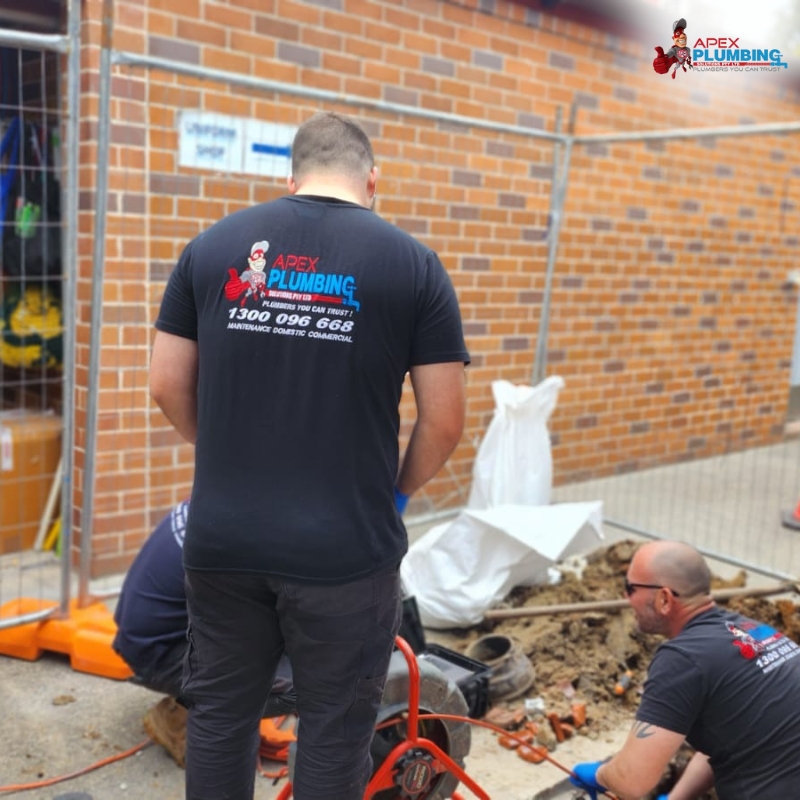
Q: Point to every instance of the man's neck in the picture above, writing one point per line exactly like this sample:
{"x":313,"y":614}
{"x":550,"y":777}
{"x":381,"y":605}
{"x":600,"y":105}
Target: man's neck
{"x":688,"y":613}
{"x":319,"y":187}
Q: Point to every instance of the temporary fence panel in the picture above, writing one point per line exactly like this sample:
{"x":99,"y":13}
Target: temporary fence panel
{"x":679,"y":362}
{"x":179,"y":146}
{"x":186,"y":146}
{"x":38,"y":135}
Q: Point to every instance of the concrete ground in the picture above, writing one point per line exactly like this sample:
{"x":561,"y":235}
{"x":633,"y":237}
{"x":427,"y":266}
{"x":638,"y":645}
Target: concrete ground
{"x":57,"y":721}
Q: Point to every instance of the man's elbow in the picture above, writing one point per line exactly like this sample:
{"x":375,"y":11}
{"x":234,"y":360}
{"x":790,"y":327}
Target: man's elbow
{"x":451,"y":431}
{"x":158,"y":390}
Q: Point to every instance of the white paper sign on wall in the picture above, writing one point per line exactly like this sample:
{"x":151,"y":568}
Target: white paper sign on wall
{"x":211,"y":141}
{"x":268,"y":148}
{"x":235,"y":145}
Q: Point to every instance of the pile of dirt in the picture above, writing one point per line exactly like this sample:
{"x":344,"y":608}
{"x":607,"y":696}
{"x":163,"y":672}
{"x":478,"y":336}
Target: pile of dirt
{"x":582,"y":655}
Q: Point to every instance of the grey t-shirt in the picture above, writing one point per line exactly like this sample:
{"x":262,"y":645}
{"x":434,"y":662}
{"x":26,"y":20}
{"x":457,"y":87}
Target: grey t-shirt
{"x":731,"y":686}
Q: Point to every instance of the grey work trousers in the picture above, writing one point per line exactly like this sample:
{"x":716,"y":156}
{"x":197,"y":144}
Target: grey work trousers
{"x":339,"y":640}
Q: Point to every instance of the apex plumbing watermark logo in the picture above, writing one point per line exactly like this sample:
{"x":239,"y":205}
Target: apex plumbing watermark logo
{"x":714,"y":54}
{"x":724,"y":53}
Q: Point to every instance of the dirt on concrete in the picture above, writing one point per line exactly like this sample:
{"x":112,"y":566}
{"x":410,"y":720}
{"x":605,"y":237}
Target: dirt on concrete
{"x":582,"y":655}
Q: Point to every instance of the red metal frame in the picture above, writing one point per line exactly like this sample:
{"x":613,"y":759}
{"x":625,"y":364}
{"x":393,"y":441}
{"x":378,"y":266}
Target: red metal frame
{"x":384,"y":778}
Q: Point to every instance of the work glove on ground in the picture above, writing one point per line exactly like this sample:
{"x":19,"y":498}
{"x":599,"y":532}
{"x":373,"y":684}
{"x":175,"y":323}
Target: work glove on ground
{"x":585,"y":777}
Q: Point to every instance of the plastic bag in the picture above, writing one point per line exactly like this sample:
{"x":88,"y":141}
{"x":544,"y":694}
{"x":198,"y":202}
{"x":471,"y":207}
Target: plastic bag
{"x":514,"y":463}
{"x":456,"y":571}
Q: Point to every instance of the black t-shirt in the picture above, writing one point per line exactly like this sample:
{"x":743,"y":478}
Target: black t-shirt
{"x":151,"y":613}
{"x":731,"y":686}
{"x":308,"y":312}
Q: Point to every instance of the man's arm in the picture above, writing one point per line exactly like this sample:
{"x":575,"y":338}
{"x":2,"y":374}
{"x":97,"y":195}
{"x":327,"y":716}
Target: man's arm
{"x":440,"y":395}
{"x":173,"y":381}
{"x":638,"y":767}
{"x":697,"y":778}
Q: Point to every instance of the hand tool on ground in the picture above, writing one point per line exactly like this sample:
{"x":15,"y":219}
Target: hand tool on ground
{"x":623,"y":683}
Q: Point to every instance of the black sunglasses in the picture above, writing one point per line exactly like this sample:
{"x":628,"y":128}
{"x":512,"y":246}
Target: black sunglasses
{"x":630,"y":588}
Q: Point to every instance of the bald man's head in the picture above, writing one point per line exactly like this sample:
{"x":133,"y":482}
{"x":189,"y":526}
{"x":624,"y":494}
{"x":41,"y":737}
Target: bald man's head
{"x":675,"y":564}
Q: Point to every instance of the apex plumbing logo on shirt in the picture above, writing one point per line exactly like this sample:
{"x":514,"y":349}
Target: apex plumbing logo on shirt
{"x":724,"y":53}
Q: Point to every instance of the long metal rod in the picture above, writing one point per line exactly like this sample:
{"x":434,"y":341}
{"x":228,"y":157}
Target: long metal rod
{"x":557,"y":150}
{"x":98,"y":282}
{"x":296,"y":90}
{"x":34,"y":41}
{"x":691,"y":133}
{"x":558,"y":195}
{"x":70,"y":262}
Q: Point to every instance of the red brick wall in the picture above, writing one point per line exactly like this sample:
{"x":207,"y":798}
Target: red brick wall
{"x":671,"y":318}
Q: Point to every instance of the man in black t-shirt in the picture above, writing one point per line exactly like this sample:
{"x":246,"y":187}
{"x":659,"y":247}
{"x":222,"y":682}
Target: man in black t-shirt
{"x":726,"y":684}
{"x":282,"y":343}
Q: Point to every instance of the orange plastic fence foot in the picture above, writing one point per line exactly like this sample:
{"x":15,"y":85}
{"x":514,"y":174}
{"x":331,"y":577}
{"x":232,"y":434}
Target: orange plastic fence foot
{"x":21,"y":641}
{"x":85,"y":635}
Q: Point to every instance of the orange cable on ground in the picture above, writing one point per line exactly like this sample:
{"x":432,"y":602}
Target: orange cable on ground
{"x":22,"y":787}
{"x":542,"y":750}
{"x":283,"y":771}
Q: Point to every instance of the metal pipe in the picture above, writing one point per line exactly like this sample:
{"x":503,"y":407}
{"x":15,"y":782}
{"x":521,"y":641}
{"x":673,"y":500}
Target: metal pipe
{"x":70,"y":262}
{"x":246,"y":81}
{"x":558,"y":196}
{"x":24,"y":619}
{"x":535,"y":377}
{"x":98,"y":282}
{"x":34,"y":41}
{"x":691,"y":133}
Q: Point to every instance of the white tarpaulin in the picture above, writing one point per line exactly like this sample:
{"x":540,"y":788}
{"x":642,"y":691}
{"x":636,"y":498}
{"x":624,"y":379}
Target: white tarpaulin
{"x":458,"y":570}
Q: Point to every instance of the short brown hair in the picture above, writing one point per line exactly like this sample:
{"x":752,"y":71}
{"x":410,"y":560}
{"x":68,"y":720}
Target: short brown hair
{"x":331,"y":143}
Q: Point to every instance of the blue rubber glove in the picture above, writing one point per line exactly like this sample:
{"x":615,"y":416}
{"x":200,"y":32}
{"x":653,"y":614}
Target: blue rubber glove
{"x":586,"y":778}
{"x":400,"y":500}
{"x":663,"y":797}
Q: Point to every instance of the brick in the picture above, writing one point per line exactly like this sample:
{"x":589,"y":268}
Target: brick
{"x":487,"y":60}
{"x":202,"y":33}
{"x":587,"y":100}
{"x":173,"y":49}
{"x":528,"y":120}
{"x":597,"y":149}
{"x":561,"y":61}
{"x":473,"y":264}
{"x":626,"y":94}
{"x":297,"y":54}
{"x":175,"y":184}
